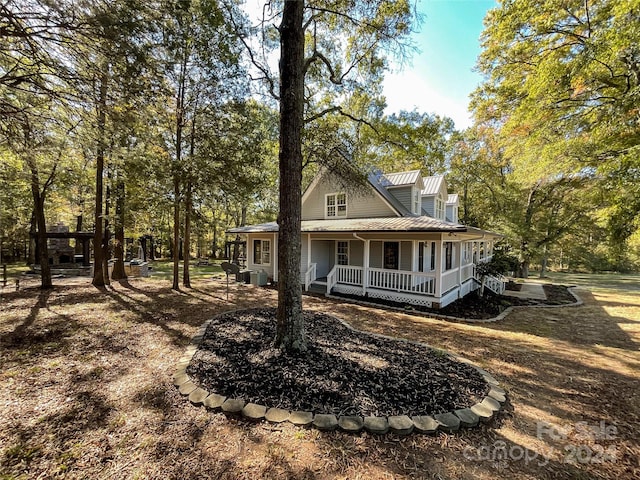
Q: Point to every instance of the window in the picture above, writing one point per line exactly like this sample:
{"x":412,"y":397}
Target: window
{"x":448,"y":255}
{"x":391,"y":255}
{"x":416,"y":201}
{"x":342,"y":252}
{"x":433,"y":256}
{"x":262,"y":252}
{"x":439,"y":207}
{"x":466,"y":252}
{"x":336,"y":204}
{"x":426,"y":256}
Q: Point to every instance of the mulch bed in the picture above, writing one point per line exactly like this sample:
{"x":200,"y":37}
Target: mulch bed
{"x":343,"y":372}
{"x":475,"y":307}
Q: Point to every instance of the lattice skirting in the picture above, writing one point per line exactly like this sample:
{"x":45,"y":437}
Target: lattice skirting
{"x":348,"y":289}
{"x":387,"y":295}
{"x":449,"y":297}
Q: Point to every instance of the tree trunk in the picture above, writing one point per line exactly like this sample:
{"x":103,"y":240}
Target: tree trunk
{"x":176,"y":170}
{"x":32,"y":238}
{"x":41,"y":223}
{"x":545,"y":260}
{"x":290,"y":334}
{"x":152,"y":248}
{"x":214,"y":242}
{"x":78,"y":248}
{"x":186,"y":279}
{"x":106,"y":251}
{"x":175,"y":249}
{"x":118,"y":249}
{"x":98,"y":272}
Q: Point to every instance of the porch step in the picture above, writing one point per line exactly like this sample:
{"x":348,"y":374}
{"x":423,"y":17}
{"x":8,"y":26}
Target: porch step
{"x":317,"y":287}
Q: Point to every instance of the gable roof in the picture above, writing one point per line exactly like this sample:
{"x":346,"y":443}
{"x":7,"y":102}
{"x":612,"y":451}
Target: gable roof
{"x":401,"y":179}
{"x":380,"y":182}
{"x":432,"y":184}
{"x":452,"y":199}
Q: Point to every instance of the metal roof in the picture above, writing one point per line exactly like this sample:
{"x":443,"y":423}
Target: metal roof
{"x":382,"y":224}
{"x":402,"y":178}
{"x":380,"y":182}
{"x":362,"y":225}
{"x":452,"y":199}
{"x":432,"y":184}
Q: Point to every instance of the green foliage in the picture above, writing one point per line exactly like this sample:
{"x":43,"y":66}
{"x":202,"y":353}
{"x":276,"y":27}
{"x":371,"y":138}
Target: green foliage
{"x":561,"y":94}
{"x":408,"y":141}
{"x":503,"y":262}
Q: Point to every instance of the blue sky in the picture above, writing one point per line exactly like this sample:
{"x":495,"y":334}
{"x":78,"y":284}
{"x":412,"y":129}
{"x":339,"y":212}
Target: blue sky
{"x":439,"y":78}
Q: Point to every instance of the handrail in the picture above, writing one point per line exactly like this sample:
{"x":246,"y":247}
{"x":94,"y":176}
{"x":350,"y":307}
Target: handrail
{"x":331,"y":279}
{"x":496,"y":284}
{"x":310,"y":276}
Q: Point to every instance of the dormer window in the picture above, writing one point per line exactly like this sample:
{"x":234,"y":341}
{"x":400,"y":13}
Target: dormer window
{"x":416,"y":201}
{"x":336,"y":205}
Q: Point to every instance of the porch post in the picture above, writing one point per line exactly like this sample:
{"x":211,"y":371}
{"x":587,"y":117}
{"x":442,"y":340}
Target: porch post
{"x":414,"y":263}
{"x":365,"y":267}
{"x":458,"y":254}
{"x":439,"y":266}
{"x":308,"y":251}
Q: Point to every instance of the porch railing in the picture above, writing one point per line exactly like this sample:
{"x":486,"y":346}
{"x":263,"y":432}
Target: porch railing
{"x":309,"y":276}
{"x":449,"y":280}
{"x":396,"y":280}
{"x":468,"y":271}
{"x":496,"y":284}
{"x":348,"y":275}
{"x":402,"y":281}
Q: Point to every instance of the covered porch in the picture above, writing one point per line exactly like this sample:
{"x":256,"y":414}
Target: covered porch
{"x":431,"y":270}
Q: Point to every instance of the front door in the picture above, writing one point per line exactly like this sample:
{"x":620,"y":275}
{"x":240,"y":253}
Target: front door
{"x":391,"y":252}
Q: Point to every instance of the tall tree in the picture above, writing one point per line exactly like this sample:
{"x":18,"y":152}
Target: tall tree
{"x":290,"y":328}
{"x":562,"y":82}
{"x":202,"y":71}
{"x":332,"y":68}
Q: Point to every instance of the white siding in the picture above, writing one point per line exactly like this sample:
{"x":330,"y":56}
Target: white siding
{"x":406,"y":252}
{"x":375,"y":256}
{"x":428,"y":203}
{"x":359,"y":205}
{"x":251,"y":265}
{"x":404,"y":196}
{"x":323,"y":254}
{"x":304,"y":255}
{"x":356,"y":253}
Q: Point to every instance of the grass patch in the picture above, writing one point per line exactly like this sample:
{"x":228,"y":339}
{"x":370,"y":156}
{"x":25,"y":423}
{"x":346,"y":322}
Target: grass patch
{"x":163,"y":269}
{"x":593,"y":281}
{"x":14,"y":270}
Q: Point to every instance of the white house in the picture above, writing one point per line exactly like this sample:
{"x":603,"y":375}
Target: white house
{"x":398,"y":239}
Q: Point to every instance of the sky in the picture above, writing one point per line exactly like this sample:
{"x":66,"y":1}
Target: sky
{"x":440,"y":76}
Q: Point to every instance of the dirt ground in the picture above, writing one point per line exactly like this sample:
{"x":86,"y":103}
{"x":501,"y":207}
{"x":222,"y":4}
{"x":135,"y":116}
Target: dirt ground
{"x":86,"y":392}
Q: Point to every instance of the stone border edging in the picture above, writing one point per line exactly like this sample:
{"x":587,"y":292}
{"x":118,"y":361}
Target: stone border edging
{"x":438,"y":316}
{"x":449,"y":422}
